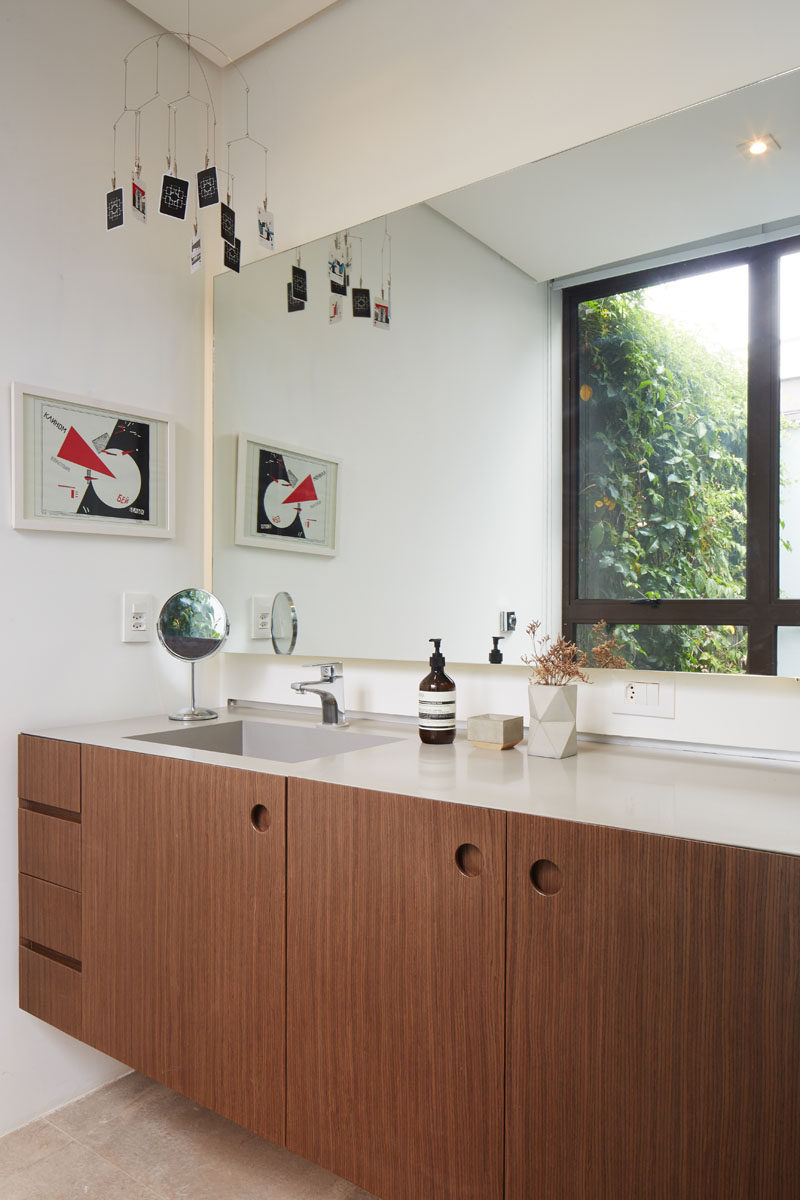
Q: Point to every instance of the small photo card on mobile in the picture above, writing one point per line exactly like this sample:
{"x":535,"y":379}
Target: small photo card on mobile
{"x":196,"y":254}
{"x":138,"y":197}
{"x":266,"y":228}
{"x":114,"y":215}
{"x":207,"y":187}
{"x":337,"y":270}
{"x":361,"y":304}
{"x":293,"y":305}
{"x":174,"y":194}
{"x":233,"y":255}
{"x":227,"y":223}
{"x":299,"y":283}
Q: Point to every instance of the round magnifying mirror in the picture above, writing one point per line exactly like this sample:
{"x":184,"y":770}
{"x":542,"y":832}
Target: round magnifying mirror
{"x":283,"y":626}
{"x":192,"y":626}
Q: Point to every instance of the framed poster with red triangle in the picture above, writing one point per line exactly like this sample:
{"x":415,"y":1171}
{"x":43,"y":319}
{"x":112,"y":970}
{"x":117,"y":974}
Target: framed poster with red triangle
{"x":81,"y":467}
{"x":285,"y":497}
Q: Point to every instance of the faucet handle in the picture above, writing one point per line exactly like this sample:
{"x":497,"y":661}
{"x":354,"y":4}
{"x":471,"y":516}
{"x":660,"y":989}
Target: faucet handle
{"x":328,"y":670}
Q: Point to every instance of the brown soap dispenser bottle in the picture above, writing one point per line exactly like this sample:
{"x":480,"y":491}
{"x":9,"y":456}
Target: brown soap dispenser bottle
{"x":437,"y":702}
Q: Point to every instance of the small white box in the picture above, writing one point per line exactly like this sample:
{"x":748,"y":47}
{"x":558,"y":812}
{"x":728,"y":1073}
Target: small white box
{"x":494,"y":731}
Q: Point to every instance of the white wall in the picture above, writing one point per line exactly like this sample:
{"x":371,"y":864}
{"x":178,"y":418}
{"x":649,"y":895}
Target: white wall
{"x":111,"y":316}
{"x":437,"y":422}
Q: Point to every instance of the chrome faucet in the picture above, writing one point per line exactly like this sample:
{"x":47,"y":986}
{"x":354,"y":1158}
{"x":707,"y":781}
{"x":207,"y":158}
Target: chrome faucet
{"x":330,"y":689}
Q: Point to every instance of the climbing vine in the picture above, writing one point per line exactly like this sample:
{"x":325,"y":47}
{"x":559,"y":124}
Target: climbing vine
{"x":662,"y":483}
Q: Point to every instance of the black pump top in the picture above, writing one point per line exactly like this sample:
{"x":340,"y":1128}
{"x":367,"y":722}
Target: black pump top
{"x":437,"y":658}
{"x":496,"y":654}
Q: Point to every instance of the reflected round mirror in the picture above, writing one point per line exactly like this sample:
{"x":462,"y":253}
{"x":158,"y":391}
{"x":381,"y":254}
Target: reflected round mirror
{"x":283,"y":627}
{"x":192,"y":625}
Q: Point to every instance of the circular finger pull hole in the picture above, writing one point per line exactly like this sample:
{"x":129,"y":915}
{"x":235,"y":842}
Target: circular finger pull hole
{"x":469,"y":860}
{"x":546,"y":877}
{"x":260,"y":818}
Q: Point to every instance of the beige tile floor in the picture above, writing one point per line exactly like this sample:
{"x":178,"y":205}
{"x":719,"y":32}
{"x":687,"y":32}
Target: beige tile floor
{"x":136,"y":1140}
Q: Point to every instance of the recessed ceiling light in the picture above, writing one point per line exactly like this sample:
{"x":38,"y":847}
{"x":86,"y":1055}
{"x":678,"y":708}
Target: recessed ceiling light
{"x":758,"y":146}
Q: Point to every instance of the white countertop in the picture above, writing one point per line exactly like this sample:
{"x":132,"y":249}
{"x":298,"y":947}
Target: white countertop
{"x":705,"y":797}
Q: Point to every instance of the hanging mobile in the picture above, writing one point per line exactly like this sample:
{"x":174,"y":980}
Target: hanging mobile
{"x":174,"y":190}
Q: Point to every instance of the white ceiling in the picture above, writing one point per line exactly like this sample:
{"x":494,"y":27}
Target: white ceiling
{"x":235,"y":26}
{"x":668,"y":183}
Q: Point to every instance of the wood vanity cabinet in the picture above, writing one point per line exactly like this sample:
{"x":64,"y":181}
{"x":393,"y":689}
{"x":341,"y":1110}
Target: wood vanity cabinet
{"x":653,"y":1017}
{"x":435,"y":1001}
{"x":184,"y":928}
{"x":395,"y":993}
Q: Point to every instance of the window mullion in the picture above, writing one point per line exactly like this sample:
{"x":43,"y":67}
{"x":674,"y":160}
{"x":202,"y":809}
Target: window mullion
{"x":763,"y":411}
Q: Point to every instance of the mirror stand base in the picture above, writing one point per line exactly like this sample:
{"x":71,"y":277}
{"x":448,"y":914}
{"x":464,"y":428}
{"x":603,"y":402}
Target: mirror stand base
{"x":194,"y":714}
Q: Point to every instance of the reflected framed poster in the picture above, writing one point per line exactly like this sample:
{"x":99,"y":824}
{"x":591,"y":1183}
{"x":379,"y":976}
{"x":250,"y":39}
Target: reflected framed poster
{"x":80,"y":466}
{"x":285,"y":497}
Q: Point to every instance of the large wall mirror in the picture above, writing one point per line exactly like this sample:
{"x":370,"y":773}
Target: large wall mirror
{"x":446,"y":428}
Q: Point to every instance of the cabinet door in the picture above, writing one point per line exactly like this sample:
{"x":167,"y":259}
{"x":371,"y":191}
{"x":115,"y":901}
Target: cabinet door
{"x":395,"y":991}
{"x":183,"y":928}
{"x":653,"y":1017}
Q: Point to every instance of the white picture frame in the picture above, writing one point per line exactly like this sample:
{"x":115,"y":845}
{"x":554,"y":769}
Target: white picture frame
{"x":286,"y":497}
{"x":80,"y":466}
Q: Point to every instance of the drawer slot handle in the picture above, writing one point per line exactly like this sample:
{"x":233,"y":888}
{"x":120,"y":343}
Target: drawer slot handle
{"x":546,"y":877}
{"x":260,"y":818}
{"x":469,"y":860}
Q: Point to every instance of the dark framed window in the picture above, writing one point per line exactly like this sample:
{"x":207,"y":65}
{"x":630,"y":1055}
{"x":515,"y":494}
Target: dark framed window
{"x":681,"y":471}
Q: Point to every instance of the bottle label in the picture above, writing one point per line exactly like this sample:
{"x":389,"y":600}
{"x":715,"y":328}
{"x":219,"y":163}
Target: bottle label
{"x":437,"y":710}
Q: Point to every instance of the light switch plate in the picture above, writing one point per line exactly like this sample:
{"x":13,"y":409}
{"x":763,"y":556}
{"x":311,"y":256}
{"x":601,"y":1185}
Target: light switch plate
{"x":644,"y":697}
{"x":260,"y":617}
{"x":137,"y":617}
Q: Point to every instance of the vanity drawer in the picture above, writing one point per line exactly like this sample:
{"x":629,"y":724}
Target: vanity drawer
{"x":50,"y":990}
{"x":50,"y":848}
{"x":50,"y":916}
{"x":50,"y":772}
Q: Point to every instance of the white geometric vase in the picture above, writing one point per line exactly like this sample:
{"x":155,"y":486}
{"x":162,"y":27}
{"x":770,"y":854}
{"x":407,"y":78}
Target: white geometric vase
{"x":552,"y":731}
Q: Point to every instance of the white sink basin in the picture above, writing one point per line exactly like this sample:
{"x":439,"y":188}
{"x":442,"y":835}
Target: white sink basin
{"x":264,"y":739}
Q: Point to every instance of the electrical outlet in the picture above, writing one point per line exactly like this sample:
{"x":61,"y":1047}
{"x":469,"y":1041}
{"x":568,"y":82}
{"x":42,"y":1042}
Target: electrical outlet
{"x":137,"y":617}
{"x":644,"y":698}
{"x":260,"y":617}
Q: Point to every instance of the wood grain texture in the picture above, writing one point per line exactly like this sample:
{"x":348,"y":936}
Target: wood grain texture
{"x":50,"y":915}
{"x":395,"y":992}
{"x":653,"y":1018}
{"x":49,"y":772}
{"x":50,"y":848}
{"x":50,"y":991}
{"x":184,"y":929}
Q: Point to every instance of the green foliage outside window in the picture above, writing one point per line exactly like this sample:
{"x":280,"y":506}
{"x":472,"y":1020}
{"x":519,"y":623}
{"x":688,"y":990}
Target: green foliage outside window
{"x":190,"y":614}
{"x":662,"y":486}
